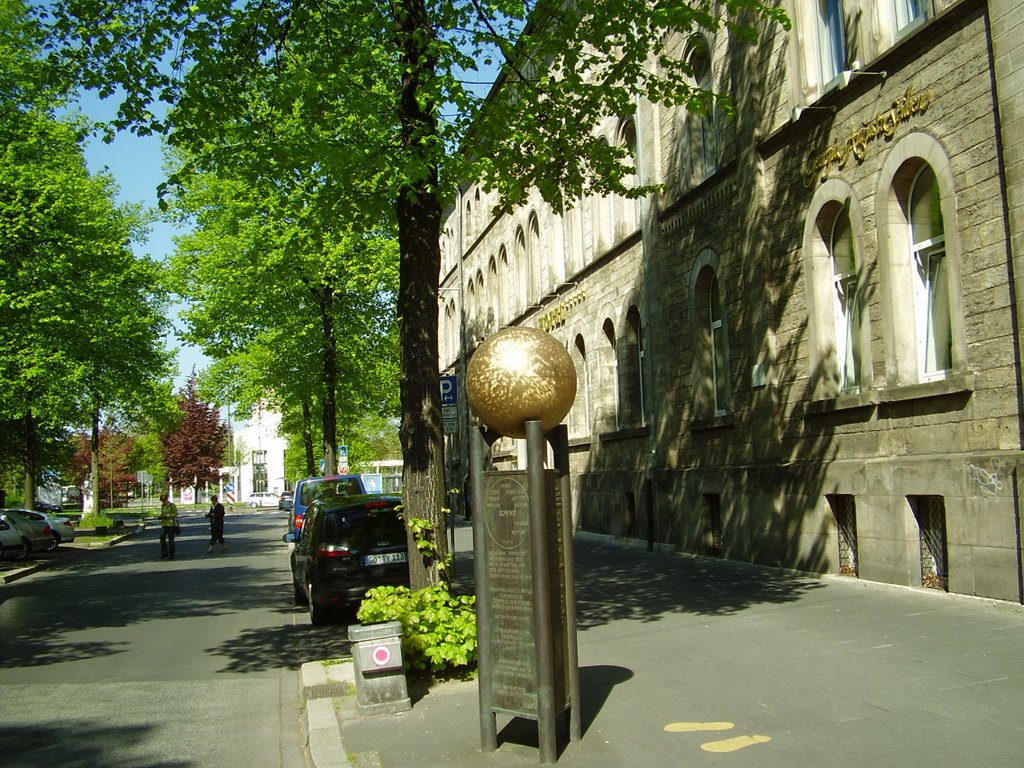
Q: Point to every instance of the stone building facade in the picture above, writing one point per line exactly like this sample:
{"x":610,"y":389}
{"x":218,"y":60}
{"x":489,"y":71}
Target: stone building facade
{"x":805,"y":351}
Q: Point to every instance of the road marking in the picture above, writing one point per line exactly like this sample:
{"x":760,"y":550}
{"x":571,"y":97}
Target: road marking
{"x":690,"y":727}
{"x":737,"y":742}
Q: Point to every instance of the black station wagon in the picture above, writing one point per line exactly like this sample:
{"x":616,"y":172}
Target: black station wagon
{"x":347,"y":546}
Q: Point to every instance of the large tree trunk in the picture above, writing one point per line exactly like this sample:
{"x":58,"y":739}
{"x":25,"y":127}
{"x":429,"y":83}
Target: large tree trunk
{"x":330,"y":414}
{"x":307,"y":438}
{"x":94,"y":462}
{"x":28,"y":432}
{"x":419,"y":226}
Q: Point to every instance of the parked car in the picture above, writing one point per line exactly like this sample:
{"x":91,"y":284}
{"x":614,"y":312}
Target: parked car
{"x":285,"y":502}
{"x":62,"y":529}
{"x":263,"y":499}
{"x":36,"y":535}
{"x":347,"y":546}
{"x":312,"y":488}
{"x":12,"y":547}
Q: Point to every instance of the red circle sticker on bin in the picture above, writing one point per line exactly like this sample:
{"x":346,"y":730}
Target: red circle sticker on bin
{"x":381,"y":655}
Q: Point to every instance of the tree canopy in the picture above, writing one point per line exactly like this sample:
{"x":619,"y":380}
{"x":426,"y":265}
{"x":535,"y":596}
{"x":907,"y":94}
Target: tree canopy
{"x":365,"y":108}
{"x":194,"y":450}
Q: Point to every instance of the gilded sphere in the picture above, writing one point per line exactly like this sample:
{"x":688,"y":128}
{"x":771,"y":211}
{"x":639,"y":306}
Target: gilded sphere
{"x":518,"y":375}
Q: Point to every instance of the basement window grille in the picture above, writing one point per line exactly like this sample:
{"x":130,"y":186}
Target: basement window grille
{"x":845,"y":511}
{"x":713,"y":525}
{"x":930,"y":512}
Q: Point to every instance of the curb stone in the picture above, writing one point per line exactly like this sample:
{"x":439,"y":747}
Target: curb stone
{"x":321,"y":684}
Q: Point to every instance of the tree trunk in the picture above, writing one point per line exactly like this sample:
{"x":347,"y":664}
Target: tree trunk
{"x":28,"y":431}
{"x":330,"y":411}
{"x":419,"y":227}
{"x":307,"y":438}
{"x":94,"y":462}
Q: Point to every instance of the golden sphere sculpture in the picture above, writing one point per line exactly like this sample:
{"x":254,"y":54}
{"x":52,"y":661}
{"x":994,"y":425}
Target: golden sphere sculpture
{"x":518,"y":375}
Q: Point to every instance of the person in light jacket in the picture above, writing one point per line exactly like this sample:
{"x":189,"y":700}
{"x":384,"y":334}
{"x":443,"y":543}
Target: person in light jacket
{"x":168,"y":527}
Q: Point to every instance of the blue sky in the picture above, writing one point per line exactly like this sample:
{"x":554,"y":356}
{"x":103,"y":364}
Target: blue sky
{"x":136,"y":162}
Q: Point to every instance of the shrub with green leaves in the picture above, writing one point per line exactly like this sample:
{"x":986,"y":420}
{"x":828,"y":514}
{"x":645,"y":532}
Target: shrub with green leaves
{"x":438,"y":628}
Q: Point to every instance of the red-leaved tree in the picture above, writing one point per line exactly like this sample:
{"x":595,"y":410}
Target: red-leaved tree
{"x":194,"y":452}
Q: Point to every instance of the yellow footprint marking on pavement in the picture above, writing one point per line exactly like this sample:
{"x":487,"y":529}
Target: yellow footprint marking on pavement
{"x":690,"y":727}
{"x":737,"y":742}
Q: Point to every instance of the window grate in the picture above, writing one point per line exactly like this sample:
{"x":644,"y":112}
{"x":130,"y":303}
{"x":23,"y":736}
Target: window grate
{"x":713,"y":540}
{"x":930,"y":512}
{"x":845,"y":512}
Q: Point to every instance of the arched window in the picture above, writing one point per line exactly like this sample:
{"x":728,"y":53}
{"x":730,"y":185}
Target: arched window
{"x":711,"y":361}
{"x":627,"y":218}
{"x":931,"y":276}
{"x":610,"y":378}
{"x":482,"y":306}
{"x":702,"y":137}
{"x":838,"y":324}
{"x":509,"y":292}
{"x":920,"y":263}
{"x":603,"y":215}
{"x":473,"y":334}
{"x":496,"y":315}
{"x":633,"y":371}
{"x":523,"y":275}
{"x":846,"y":301}
{"x":579,"y":424}
{"x":538,"y":261}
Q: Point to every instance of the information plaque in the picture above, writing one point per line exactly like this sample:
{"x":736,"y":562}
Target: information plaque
{"x":510,"y":593}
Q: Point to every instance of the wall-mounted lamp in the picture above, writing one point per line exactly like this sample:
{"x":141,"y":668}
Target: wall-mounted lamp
{"x":797,"y":111}
{"x":855,"y":69}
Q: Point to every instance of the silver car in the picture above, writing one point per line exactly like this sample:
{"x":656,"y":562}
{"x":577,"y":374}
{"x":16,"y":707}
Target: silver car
{"x":36,"y":535}
{"x":63,"y":530}
{"x":12,"y":547}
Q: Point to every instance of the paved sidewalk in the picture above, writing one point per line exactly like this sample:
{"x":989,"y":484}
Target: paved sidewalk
{"x":701,"y":662}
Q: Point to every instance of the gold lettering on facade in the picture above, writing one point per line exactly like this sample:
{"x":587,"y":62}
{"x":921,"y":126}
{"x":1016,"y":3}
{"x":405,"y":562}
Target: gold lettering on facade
{"x":558,"y":315}
{"x":884,"y":124}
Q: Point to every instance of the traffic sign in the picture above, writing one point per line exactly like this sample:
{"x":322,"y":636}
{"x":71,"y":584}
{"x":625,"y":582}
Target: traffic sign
{"x":449,"y":390}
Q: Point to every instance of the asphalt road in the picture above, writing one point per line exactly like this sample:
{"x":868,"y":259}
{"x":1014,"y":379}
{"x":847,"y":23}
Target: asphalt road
{"x":113,"y":657}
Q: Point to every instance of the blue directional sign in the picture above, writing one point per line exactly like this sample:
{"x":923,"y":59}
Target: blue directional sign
{"x":449,"y":390}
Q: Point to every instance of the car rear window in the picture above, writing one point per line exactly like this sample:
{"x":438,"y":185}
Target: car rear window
{"x":363,"y":529}
{"x":329,"y":489}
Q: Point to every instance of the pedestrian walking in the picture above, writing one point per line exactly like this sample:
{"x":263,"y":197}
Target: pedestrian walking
{"x":169,"y":528}
{"x":216,"y":518}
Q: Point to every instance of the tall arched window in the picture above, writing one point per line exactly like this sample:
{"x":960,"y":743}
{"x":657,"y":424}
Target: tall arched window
{"x":523,"y":273}
{"x":627,"y":219}
{"x":496,"y":315}
{"x":633,"y":371}
{"x":482,"y":306}
{"x":579,"y":425}
{"x":837,"y":293}
{"x":702,"y":137}
{"x":931,"y":276}
{"x":538,"y":260}
{"x":610,"y":378}
{"x":711,"y":361}
{"x":508,"y":288}
{"x":846,"y":301}
{"x":920,"y":263}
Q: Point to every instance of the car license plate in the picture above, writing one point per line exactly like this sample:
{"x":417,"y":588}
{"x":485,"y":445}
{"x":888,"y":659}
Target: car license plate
{"x":384,"y":558}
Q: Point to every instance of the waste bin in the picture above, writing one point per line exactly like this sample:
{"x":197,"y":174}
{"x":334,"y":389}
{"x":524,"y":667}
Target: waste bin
{"x":379,"y":669}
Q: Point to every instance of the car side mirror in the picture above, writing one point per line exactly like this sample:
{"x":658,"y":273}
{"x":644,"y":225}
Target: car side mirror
{"x":288,"y":538}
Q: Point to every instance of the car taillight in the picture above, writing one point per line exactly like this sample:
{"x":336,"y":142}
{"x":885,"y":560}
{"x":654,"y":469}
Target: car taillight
{"x":330,"y":550}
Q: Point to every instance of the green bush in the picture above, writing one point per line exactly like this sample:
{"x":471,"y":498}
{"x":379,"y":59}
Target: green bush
{"x":95,"y":521}
{"x":438,"y":628}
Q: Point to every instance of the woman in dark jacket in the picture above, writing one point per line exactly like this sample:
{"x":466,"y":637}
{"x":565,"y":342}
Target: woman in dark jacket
{"x":216,"y":518}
